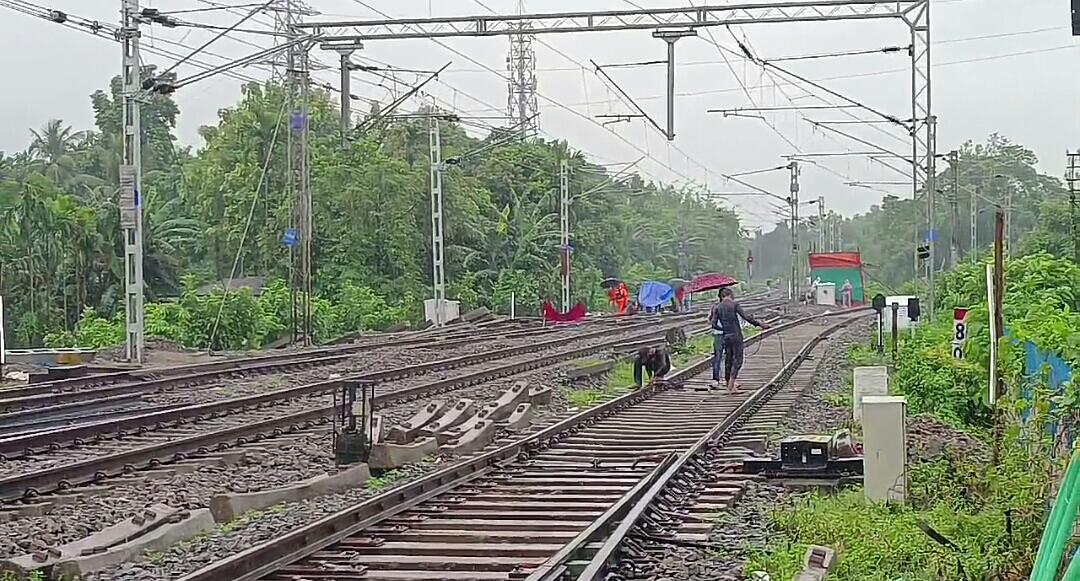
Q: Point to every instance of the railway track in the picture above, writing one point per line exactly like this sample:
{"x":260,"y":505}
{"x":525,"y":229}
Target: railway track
{"x":54,"y":405}
{"x":79,"y":389}
{"x":153,"y":438}
{"x":563,"y":503}
{"x":63,"y":391}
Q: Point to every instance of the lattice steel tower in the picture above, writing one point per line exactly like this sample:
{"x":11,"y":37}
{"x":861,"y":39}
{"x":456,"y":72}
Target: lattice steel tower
{"x":522,"y":106}
{"x":295,"y":72}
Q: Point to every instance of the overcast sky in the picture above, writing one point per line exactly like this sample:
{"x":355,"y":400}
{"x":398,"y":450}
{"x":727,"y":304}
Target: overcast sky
{"x":1005,"y":66}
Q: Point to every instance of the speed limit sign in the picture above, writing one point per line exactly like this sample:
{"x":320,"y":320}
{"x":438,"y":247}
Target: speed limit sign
{"x":960,"y":332}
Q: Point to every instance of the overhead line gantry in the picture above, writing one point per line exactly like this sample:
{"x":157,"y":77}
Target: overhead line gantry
{"x":670,"y":24}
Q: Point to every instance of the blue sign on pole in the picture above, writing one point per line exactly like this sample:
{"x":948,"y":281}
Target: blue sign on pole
{"x":930,"y":235}
{"x":297,"y":121}
{"x":291,"y":237}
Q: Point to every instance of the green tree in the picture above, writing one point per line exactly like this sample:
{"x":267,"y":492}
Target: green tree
{"x":53,"y":150}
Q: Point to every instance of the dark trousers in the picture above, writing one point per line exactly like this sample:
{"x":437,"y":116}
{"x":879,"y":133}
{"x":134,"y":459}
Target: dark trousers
{"x":717,"y":356}
{"x":733,"y":356}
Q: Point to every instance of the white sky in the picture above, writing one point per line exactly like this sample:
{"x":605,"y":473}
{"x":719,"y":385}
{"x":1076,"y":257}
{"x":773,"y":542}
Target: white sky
{"x":1021,"y":82}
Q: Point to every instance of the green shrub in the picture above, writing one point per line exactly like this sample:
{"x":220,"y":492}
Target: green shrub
{"x":994,"y":516}
{"x":92,"y":331}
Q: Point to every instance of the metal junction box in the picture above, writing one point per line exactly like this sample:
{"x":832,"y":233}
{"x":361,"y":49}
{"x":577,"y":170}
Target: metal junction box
{"x":810,"y":453}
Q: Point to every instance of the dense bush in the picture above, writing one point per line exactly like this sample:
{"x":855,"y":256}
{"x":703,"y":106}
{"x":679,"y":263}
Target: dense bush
{"x":92,"y":330}
{"x":993,"y":514}
{"x":935,"y":383}
{"x":240,"y":321}
{"x":993,"y":517}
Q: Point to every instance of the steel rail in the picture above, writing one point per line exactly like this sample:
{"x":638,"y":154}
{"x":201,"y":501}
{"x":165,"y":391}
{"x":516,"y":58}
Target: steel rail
{"x":253,"y":563}
{"x":51,"y":404}
{"x":50,"y":438}
{"x":557,"y":566}
{"x":270,"y":362}
{"x":438,"y":339}
{"x":66,"y":390}
{"x":600,"y":565}
{"x":26,"y":422}
{"x":128,"y":461}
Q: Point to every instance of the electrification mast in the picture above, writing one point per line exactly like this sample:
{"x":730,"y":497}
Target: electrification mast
{"x":298,"y":173}
{"x":1072,"y":176}
{"x":793,"y":200}
{"x":438,"y":259}
{"x":130,"y":203}
{"x":564,"y":231}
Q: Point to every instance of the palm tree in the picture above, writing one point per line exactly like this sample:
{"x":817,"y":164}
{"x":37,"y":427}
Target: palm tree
{"x":7,"y":166}
{"x":52,"y":148}
{"x":169,"y":236}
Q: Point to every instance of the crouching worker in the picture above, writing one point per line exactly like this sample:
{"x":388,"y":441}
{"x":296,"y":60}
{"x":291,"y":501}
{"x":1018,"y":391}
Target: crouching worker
{"x":655,"y":361}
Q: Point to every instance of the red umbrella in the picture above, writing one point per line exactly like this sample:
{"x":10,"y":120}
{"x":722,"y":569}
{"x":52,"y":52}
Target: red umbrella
{"x":710,"y":281}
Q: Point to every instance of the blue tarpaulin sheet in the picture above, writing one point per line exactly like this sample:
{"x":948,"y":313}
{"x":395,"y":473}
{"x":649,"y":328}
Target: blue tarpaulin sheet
{"x":654,"y":294}
{"x":1039,"y":364}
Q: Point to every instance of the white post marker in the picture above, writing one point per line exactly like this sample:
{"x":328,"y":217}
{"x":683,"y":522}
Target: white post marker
{"x":960,"y":332}
{"x":867,"y":381}
{"x":993,"y":333}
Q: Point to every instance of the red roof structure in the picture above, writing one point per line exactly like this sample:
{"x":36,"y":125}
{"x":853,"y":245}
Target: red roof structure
{"x":836,"y":260}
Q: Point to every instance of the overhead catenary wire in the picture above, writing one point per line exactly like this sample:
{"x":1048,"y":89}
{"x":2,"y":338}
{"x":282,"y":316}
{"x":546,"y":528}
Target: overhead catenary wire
{"x":350,"y":96}
{"x":218,"y":36}
{"x":844,"y":77}
{"x":168,"y":87}
{"x":882,"y":50}
{"x":554,"y":102}
{"x":628,"y":99}
{"x":207,"y":9}
{"x":560,"y":105}
{"x":247,"y":223}
{"x":204,"y":26}
{"x":706,"y":63}
{"x":864,"y":142}
{"x":748,"y":55}
{"x":394,"y":105}
{"x":109,"y":31}
{"x":722,"y":51}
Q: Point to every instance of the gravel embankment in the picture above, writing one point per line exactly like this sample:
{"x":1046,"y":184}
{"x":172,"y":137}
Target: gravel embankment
{"x":301,"y":456}
{"x":748,"y":525}
{"x":273,"y":463}
{"x":824,"y":409}
{"x":245,"y":386}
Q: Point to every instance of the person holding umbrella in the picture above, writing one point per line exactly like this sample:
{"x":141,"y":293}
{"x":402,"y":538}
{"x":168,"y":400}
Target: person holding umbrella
{"x":706,"y":282}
